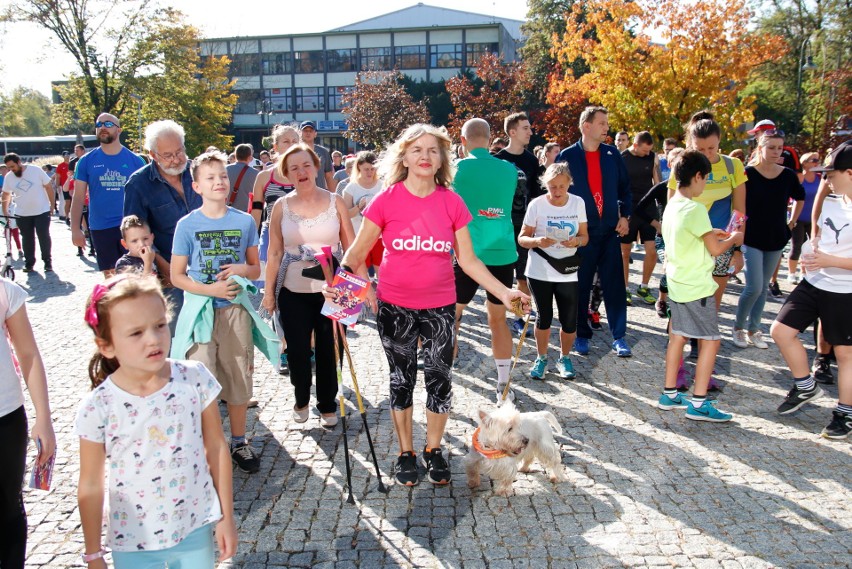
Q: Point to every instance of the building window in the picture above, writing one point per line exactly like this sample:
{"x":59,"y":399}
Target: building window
{"x":475,"y":51}
{"x":277,"y":64}
{"x":410,"y":56}
{"x":310,"y":99}
{"x":248,"y":102}
{"x":335,"y":98}
{"x":308,"y":61}
{"x":342,"y":60}
{"x":376,"y":58}
{"x":445,"y":55}
{"x":245,"y":64}
{"x":279,"y":100}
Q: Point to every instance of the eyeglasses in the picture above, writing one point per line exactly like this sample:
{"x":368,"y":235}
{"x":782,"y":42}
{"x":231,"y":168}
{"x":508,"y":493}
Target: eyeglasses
{"x":108,"y":124}
{"x":181,"y":153}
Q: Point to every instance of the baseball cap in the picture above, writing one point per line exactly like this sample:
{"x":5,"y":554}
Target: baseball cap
{"x":65,"y":153}
{"x":840,"y":159}
{"x":308,"y":124}
{"x":765,"y":124}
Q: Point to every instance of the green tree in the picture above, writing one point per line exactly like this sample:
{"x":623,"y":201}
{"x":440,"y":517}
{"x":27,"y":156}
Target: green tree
{"x":546,"y":20}
{"x":102,"y":37}
{"x":379,"y":108}
{"x":182,"y":86}
{"x":25,"y":112}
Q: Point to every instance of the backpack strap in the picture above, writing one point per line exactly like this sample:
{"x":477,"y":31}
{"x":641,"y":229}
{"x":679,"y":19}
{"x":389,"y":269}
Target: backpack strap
{"x":236,"y":189}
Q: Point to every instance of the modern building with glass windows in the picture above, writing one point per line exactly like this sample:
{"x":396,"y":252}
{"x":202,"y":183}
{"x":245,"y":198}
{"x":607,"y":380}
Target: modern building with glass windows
{"x":302,"y":77}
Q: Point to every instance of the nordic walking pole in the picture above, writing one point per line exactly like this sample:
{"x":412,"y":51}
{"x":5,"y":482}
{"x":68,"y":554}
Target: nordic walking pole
{"x":516,"y":308}
{"x":338,"y":366}
{"x":363,"y":411}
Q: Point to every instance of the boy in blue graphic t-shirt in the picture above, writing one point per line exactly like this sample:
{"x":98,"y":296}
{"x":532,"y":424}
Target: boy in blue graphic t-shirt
{"x":211,"y":245}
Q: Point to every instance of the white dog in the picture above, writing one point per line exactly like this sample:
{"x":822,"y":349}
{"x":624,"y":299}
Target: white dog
{"x":506,"y":438}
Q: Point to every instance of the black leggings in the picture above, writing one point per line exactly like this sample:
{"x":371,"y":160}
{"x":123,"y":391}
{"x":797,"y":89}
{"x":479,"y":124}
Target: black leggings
{"x":13,"y":537}
{"x":300,"y":316}
{"x":399,"y":329}
{"x":566,"y":301}
{"x":801,"y":233}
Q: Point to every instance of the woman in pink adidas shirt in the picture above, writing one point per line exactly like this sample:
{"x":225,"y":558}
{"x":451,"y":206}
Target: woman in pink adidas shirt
{"x":422,"y":223}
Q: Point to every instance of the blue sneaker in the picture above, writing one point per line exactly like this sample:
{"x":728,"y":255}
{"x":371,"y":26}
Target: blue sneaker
{"x":284,"y":368}
{"x":565,"y":368}
{"x":518,"y":327}
{"x":538,"y":368}
{"x":707,"y":412}
{"x":581,"y":346}
{"x":666,"y":402}
{"x":621,"y":349}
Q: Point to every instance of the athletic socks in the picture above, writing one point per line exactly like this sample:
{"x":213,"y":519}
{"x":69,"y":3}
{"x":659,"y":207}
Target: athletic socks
{"x":644,"y":285}
{"x":804,"y":383}
{"x":237,"y":441}
{"x":698,"y":401}
{"x":670,"y":392}
{"x":845,"y":409}
{"x":503,"y":369}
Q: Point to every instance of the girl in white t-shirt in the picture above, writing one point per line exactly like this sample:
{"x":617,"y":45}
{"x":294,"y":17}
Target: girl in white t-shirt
{"x":13,"y":419}
{"x":554,"y":227}
{"x":156,"y":425}
{"x":358,"y":193}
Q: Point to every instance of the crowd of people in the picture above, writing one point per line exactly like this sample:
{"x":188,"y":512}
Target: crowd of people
{"x":185,"y":243}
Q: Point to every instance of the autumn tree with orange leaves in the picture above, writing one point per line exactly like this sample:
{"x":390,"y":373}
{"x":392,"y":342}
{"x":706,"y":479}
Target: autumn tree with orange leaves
{"x":653,"y":63}
{"x":378,"y":108}
{"x":498,"y":89}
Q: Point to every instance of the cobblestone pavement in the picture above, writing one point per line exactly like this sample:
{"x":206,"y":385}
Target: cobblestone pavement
{"x":645,"y":487}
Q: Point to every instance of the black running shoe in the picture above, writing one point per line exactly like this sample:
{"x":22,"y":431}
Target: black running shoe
{"x":821,"y":370}
{"x":437,"y":468}
{"x":796,"y":398}
{"x":245,"y":458}
{"x":840,"y":426}
{"x":662,"y":308}
{"x":405,"y":469}
{"x":775,"y":290}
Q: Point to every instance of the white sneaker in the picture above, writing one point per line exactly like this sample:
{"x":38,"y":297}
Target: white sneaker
{"x":757,"y":340}
{"x":740,"y":338}
{"x":301,"y":415}
{"x":793,"y":279}
{"x":509,"y":397}
{"x":328,"y":421}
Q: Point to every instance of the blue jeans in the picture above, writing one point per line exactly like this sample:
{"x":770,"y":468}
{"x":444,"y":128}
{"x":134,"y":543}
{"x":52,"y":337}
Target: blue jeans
{"x":759,"y":268}
{"x":196,"y":551}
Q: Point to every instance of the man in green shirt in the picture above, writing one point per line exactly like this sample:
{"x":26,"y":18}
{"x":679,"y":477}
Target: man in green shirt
{"x":487,"y":185}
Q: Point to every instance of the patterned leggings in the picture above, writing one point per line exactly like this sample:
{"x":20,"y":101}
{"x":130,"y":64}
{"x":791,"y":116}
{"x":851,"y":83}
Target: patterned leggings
{"x":399,"y":329}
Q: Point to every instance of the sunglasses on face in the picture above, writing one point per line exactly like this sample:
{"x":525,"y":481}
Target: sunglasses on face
{"x":107,"y":124}
{"x":773,"y":132}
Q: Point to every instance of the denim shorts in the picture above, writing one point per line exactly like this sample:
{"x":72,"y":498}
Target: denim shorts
{"x":196,"y":551}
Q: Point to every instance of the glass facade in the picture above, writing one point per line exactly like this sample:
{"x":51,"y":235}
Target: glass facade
{"x":342,"y":60}
{"x":474,"y":51}
{"x":279,"y":100}
{"x":245,"y":64}
{"x":446,"y":55}
{"x":308,"y":61}
{"x":248,"y":102}
{"x":410,"y":56}
{"x":310,"y":99}
{"x":335,"y":98}
{"x":277,"y":63}
{"x":376,"y":58}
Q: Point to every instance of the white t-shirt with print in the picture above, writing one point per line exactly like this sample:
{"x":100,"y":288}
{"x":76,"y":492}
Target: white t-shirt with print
{"x":11,"y":393}
{"x":359,"y":192}
{"x":160,"y":487}
{"x":28,"y":190}
{"x":835,"y":238}
{"x":558,"y":223}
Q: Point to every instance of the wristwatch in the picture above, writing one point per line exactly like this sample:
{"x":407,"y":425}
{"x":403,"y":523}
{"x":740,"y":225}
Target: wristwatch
{"x":89,"y":557}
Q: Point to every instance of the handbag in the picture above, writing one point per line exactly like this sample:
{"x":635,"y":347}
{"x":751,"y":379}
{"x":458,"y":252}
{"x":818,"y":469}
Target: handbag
{"x":563,"y":265}
{"x":315,"y":271}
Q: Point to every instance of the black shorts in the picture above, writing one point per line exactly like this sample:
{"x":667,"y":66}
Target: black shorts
{"x":108,"y":248}
{"x":807,"y":303}
{"x":645,"y":231}
{"x":66,"y":196}
{"x":466,"y":287}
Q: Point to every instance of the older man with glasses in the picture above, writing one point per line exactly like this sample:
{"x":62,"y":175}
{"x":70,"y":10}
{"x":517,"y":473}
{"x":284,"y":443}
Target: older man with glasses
{"x":102,"y":173}
{"x":161,"y":193}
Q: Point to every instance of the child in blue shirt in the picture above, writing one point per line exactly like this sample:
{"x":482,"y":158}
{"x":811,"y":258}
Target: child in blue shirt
{"x":212,"y":244}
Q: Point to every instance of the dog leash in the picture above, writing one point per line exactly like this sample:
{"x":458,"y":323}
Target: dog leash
{"x":517,"y":310}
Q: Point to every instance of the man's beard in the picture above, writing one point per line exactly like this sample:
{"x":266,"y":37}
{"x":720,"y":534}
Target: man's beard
{"x":106,"y":138}
{"x":174,"y":171}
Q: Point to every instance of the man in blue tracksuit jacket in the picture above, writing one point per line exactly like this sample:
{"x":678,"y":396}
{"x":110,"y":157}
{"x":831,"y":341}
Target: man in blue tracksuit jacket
{"x":601,"y":179}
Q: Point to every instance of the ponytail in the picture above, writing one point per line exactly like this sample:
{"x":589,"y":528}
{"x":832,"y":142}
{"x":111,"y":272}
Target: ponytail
{"x":100,"y":368}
